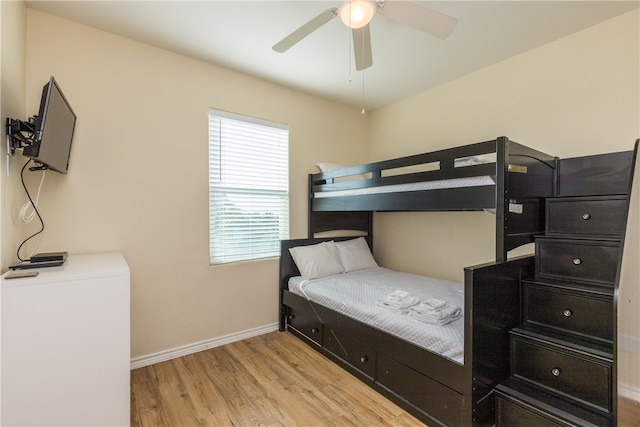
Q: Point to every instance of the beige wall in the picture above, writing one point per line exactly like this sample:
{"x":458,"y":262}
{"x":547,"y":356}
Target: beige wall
{"x":138,"y":176}
{"x":137,"y":181}
{"x":576,"y":96}
{"x":12,"y":90}
{"x":13,"y":16}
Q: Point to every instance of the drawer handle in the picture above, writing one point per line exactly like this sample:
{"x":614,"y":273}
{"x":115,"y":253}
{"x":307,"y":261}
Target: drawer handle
{"x":364,"y":359}
{"x":586,"y":216}
{"x":291,"y":317}
{"x":314,"y":330}
{"x":567,"y":312}
{"x":556,"y":372}
{"x":577,"y":261}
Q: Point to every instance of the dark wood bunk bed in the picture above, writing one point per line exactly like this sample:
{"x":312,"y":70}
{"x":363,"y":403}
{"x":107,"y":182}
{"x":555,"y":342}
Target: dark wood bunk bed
{"x":434,"y":388}
{"x":530,"y":192}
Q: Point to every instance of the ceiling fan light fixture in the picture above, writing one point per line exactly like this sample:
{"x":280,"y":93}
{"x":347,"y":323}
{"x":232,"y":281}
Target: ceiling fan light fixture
{"x":357,"y":13}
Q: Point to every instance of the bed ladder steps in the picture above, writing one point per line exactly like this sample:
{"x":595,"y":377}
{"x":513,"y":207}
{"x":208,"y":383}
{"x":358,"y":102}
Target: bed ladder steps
{"x":562,"y":370}
{"x":524,"y":404}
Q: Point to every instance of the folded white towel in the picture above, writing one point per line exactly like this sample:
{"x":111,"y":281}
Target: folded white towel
{"x":401,"y":305}
{"x":434,"y":304}
{"x":441,"y":317}
{"x":397,"y":295}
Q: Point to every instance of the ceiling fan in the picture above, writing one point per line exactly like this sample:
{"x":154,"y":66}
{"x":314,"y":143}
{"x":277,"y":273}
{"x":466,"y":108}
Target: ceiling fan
{"x":356,"y":14}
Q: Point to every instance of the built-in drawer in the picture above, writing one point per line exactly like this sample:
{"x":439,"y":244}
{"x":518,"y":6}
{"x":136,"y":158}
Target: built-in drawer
{"x":522,"y":404}
{"x":577,"y":259}
{"x":435,"y":399}
{"x":306,"y":323}
{"x":576,"y":375}
{"x":357,"y":354}
{"x":512,"y":414}
{"x":587,"y":216}
{"x":302,"y":317}
{"x":584,"y":311}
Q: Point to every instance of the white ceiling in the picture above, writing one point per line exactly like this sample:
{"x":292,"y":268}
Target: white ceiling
{"x":239,"y":35}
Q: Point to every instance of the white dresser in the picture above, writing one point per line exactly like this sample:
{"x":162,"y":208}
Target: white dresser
{"x":65,"y":344}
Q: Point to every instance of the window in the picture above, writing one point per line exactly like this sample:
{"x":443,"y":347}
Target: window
{"x":248,"y":187}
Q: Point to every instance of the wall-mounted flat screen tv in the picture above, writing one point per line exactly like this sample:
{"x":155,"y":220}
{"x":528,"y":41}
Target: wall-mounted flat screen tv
{"x":55,"y":124}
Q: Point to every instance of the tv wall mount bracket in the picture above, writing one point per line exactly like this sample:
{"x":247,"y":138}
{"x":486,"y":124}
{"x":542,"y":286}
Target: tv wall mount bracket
{"x":20,"y":134}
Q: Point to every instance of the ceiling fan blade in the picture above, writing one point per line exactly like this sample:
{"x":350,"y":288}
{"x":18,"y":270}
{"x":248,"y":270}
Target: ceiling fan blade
{"x":362,"y":47}
{"x":308,"y":28}
{"x":420,"y":17}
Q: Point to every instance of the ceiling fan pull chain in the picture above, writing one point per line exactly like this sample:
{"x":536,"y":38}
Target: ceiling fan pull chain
{"x":351,"y":47}
{"x":363,"y":111}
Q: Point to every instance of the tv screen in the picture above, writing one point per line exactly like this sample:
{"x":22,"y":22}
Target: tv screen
{"x":54,"y":130}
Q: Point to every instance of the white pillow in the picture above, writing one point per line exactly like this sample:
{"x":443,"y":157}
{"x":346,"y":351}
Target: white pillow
{"x":315,"y":261}
{"x":355,"y":254}
{"x":471,"y":161}
{"x":328,"y":167}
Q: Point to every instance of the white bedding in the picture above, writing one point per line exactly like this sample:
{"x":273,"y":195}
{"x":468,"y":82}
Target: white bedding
{"x":354,"y":294}
{"x":475,"y":181}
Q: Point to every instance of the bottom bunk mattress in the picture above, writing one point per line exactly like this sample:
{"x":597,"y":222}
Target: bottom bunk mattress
{"x":359,"y":295}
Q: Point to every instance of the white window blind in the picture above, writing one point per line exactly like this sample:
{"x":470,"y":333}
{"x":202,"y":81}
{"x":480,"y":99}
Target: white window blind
{"x":248,"y":187}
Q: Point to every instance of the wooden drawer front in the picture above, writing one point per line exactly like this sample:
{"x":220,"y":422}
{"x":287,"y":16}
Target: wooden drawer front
{"x":306,"y":323}
{"x":581,"y":313}
{"x":359,"y":355}
{"x":593,"y":261}
{"x":577,"y":376}
{"x":510,"y":414}
{"x":586,"y":216}
{"x":423,"y":392}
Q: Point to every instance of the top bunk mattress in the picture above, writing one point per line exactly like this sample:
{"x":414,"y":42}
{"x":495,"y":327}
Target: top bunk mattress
{"x":355,"y":294}
{"x":476,"y":181}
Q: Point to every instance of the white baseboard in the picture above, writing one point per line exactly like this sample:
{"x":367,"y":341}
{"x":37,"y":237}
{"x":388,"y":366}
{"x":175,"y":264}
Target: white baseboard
{"x":628,"y":343}
{"x":163,"y":356}
{"x":629,"y":392}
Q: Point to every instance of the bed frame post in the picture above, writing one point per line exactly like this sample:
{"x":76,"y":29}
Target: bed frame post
{"x":310,"y":229}
{"x":524,"y":178}
{"x":502,"y":198}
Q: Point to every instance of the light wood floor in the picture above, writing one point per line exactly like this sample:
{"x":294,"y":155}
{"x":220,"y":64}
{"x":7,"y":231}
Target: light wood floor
{"x":628,"y":413}
{"x":270,"y":380}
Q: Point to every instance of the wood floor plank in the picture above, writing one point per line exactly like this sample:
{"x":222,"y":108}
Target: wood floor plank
{"x":145,"y":407}
{"x":176,"y":402}
{"x":291,"y":381}
{"x":270,"y":380}
{"x":273,"y":380}
{"x":628,"y":413}
{"x":200,"y":392}
{"x":238,"y":389}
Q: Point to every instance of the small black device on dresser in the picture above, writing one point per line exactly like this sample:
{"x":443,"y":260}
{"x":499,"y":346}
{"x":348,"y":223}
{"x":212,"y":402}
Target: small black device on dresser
{"x":562,"y":359}
{"x":48,"y":259}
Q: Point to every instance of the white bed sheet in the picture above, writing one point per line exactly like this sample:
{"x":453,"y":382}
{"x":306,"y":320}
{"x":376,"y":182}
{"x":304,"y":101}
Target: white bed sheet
{"x":354,"y":294}
{"x":475,"y":181}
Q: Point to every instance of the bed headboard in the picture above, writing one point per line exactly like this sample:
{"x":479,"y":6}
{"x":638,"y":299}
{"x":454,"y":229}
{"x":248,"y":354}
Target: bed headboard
{"x":350,"y":221}
{"x":288,"y":268}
